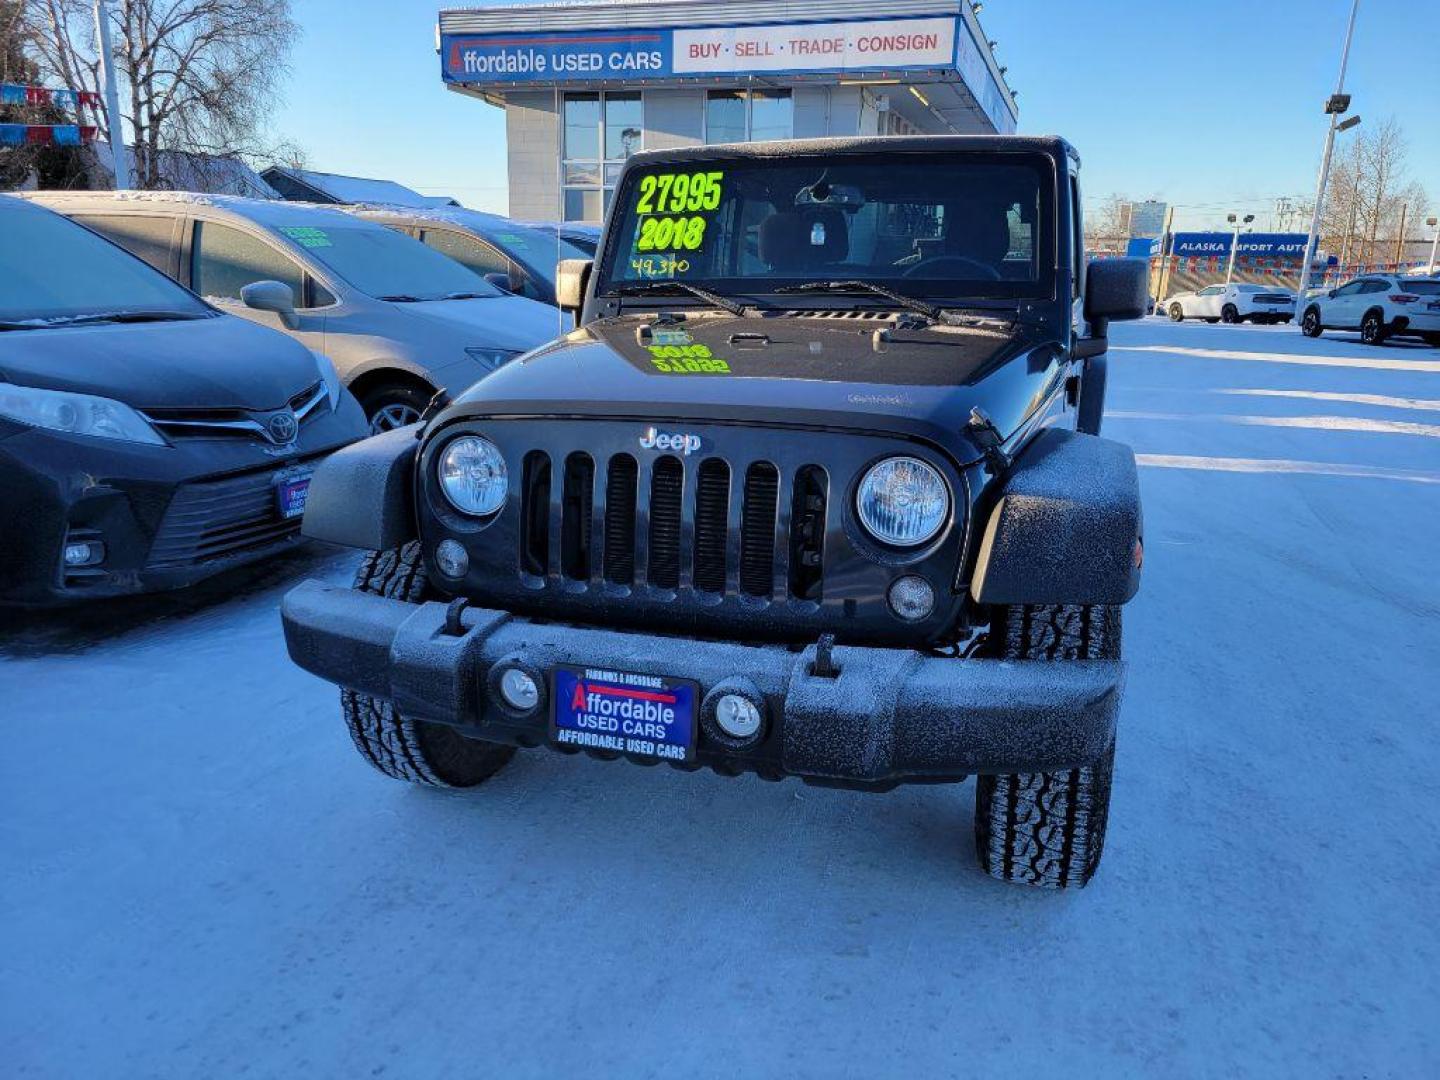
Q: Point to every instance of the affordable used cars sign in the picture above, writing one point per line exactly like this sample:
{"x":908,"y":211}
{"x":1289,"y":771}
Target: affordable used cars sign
{"x":581,"y":56}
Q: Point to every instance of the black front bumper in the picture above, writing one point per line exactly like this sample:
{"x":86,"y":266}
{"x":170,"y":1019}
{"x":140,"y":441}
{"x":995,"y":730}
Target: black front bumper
{"x":167,"y":516}
{"x":887,"y":716}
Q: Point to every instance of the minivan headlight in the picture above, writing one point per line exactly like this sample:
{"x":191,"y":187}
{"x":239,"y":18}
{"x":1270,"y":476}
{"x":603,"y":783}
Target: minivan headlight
{"x":491,"y":359}
{"x":473,"y":476}
{"x":903,"y":501}
{"x":76,"y":414}
{"x":329,"y":376}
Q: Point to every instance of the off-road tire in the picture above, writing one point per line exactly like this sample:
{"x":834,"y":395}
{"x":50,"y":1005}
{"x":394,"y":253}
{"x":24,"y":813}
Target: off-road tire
{"x":1230,"y":314}
{"x":422,"y":753}
{"x":1310,"y":324}
{"x":1373,"y":330}
{"x":1048,"y":829}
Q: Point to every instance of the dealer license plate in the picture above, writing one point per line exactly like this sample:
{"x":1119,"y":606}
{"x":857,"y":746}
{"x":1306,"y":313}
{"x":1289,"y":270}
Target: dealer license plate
{"x":290,"y":496}
{"x":648,"y":716}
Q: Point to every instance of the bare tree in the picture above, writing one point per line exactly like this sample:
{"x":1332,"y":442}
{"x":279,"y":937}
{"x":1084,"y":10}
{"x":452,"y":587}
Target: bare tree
{"x":1369,"y":185}
{"x":52,"y":166}
{"x":198,"y":76}
{"x":1108,"y":223}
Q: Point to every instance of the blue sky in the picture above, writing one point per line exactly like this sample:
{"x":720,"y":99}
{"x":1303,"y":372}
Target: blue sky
{"x":1211,"y":104}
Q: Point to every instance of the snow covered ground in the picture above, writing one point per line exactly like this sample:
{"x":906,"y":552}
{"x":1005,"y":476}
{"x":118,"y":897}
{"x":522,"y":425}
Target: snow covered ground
{"x":200,"y":878}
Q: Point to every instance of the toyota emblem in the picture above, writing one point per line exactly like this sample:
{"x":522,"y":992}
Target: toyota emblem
{"x":282,"y":428}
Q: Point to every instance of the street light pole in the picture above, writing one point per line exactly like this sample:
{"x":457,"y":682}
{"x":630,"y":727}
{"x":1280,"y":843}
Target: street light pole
{"x":1434,"y":223}
{"x":1334,"y":107}
{"x":112,"y":97}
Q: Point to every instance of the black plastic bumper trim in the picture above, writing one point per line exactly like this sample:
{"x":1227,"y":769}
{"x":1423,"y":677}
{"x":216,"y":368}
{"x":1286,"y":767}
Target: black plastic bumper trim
{"x":890,"y":715}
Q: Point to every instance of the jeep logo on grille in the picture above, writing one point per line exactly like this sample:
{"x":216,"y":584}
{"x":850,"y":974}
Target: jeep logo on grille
{"x":282,"y":428}
{"x":680,"y":441}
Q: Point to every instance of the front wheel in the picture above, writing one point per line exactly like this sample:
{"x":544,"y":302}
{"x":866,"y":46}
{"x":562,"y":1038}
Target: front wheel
{"x":1177,"y":313}
{"x":1230,"y":314}
{"x":1048,"y":829}
{"x":392,"y":406}
{"x":432,"y":755}
{"x":1310,"y":324}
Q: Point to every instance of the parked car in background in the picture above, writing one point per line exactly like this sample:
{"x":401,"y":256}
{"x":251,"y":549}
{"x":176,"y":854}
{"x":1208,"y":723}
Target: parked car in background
{"x":584,"y":237}
{"x":147,"y":440}
{"x":400,"y":321}
{"x":516,"y":258}
{"x":1233,"y":303}
{"x":1380,"y":306}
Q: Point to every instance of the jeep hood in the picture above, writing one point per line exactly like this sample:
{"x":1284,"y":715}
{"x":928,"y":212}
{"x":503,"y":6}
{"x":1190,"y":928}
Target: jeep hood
{"x":825,"y":371}
{"x":213,"y":363}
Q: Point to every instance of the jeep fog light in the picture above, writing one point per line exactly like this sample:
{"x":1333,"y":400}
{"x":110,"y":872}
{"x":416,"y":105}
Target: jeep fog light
{"x":903,"y":501}
{"x":912,"y":598}
{"x":473,"y":476}
{"x":737,"y":716}
{"x":452,"y":558}
{"x":519,"y":690}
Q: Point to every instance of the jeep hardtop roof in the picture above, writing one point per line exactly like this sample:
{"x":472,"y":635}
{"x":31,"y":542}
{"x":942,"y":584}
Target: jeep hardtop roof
{"x":1050,"y":145}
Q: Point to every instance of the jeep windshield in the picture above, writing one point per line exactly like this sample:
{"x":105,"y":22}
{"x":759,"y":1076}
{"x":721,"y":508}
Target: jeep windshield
{"x":946,"y":227}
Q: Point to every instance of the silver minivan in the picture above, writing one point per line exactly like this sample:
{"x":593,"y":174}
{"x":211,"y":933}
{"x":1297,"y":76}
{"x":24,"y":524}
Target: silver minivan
{"x":399,"y":320}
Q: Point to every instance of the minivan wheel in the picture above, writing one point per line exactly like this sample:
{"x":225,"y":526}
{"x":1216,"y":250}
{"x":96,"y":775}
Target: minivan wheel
{"x":1372,"y":328}
{"x":1229,"y":314}
{"x":1310,"y":324}
{"x":391,"y":406}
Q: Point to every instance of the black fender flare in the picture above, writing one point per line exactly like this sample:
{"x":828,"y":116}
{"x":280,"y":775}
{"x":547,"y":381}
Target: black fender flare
{"x":1067,"y":527}
{"x":363,"y":495}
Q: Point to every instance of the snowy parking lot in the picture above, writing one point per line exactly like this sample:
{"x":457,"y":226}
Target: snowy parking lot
{"x":202,"y":879}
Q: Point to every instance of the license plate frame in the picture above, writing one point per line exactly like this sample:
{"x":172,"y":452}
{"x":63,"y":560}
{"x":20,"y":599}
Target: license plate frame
{"x":653,"y":717}
{"x":291,"y":495}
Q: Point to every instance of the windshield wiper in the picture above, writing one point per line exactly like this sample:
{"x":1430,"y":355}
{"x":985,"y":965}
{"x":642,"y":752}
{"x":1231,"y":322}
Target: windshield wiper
{"x":724,"y":303}
{"x":402,"y":298}
{"x":467,"y":296}
{"x":107,"y":317}
{"x":930,"y":311}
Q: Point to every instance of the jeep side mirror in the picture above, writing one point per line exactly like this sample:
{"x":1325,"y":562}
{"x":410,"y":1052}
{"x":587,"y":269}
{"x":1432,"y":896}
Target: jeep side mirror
{"x":1331,"y":293}
{"x":270,"y":296}
{"x":1116,"y":289}
{"x":572,"y":278}
{"x":500,"y":281}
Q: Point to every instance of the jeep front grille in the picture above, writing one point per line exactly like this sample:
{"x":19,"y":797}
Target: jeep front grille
{"x":671,"y":523}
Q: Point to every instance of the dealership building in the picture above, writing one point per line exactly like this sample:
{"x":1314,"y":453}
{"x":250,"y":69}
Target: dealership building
{"x":585,"y":84}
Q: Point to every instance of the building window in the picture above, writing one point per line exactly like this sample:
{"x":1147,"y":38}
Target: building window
{"x":749,"y":116}
{"x":601,"y":131}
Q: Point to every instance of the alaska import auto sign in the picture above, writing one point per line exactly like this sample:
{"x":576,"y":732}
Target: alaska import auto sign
{"x":580,"y":56}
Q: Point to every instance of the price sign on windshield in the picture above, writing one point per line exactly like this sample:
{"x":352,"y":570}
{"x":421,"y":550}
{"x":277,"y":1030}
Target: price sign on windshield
{"x":674,"y":210}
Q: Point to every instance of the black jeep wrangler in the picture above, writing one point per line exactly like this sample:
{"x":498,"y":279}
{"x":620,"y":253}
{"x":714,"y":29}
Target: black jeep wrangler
{"x":815,"y":490}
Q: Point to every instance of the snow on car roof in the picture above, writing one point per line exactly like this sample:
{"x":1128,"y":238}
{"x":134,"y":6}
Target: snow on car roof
{"x":269,"y":212}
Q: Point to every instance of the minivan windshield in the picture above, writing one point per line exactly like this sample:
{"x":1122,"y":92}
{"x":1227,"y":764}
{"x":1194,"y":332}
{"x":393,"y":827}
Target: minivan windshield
{"x":386,"y":265}
{"x":54,"y":272}
{"x":538,"y":252}
{"x":942,"y":225}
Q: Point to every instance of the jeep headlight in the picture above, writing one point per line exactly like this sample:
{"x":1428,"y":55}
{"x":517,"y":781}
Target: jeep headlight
{"x":903,"y":501}
{"x":473,"y":476}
